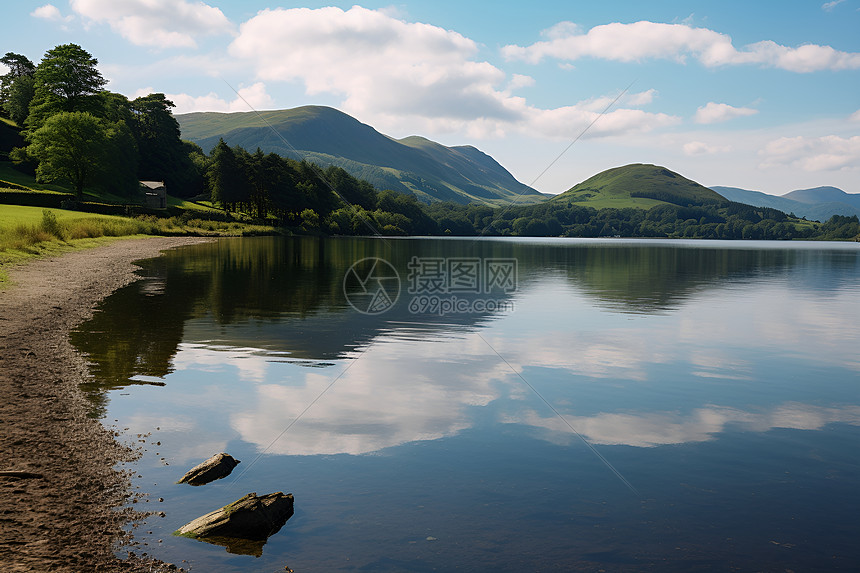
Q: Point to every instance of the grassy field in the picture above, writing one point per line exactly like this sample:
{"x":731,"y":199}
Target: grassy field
{"x":27,"y":233}
{"x":11,"y":215}
{"x":32,"y":232}
{"x":7,"y":173}
{"x":191,"y":205}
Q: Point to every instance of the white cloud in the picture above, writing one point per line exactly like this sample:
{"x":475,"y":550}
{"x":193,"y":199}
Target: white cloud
{"x":829,"y":6}
{"x":641,"y":98}
{"x":156,"y":23}
{"x":855,"y":116}
{"x":254,"y":97}
{"x":828,"y":153}
{"x":651,"y":40}
{"x":520,"y":81}
{"x":49,"y":12}
{"x":392,"y":73}
{"x":701,"y":148}
{"x":561,"y":30}
{"x":375,"y":61}
{"x":568,"y":122}
{"x":718,"y":112}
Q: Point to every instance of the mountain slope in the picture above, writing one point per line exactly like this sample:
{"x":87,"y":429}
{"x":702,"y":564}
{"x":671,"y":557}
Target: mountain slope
{"x":818,"y":195}
{"x":641,"y":186}
{"x":327,"y":136}
{"x":818,"y":204}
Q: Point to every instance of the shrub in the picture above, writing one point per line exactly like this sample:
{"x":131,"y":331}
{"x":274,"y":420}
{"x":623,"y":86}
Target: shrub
{"x":51,"y":225}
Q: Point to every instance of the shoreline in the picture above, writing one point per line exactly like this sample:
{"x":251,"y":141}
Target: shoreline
{"x":66,"y":511}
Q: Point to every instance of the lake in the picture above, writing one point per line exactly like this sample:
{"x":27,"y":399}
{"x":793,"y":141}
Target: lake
{"x":496,"y":404}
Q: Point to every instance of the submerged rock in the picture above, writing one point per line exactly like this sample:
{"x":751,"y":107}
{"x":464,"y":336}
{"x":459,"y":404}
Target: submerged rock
{"x":248,"y":518}
{"x":216,"y":467}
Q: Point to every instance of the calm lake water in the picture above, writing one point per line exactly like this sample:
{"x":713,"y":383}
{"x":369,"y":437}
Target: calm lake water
{"x":619,"y":405}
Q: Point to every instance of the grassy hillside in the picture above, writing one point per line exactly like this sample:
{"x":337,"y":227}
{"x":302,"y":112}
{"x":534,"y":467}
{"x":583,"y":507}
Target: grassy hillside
{"x":327,"y":136}
{"x":639,"y":186}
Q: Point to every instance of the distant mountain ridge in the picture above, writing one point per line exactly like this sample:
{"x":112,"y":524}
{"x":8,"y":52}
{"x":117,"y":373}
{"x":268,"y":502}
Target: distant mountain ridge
{"x":816,"y":204}
{"x":324,"y":135}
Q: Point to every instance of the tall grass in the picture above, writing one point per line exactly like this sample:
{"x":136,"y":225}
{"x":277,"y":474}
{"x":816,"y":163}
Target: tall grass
{"x":26,"y":236}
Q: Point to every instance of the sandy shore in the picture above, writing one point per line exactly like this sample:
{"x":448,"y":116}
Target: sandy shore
{"x":61,"y":515}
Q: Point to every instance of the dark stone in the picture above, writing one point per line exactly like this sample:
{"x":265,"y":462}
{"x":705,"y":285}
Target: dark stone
{"x":250,"y":518}
{"x":216,"y":467}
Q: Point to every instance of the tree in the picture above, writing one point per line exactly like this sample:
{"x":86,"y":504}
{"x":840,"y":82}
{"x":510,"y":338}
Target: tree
{"x":119,"y":173}
{"x":227,"y":182}
{"x":310,"y":220}
{"x":67,"y":80}
{"x":113,"y":107}
{"x":163,"y":156}
{"x":21,"y":93}
{"x":19,"y":66}
{"x":73,"y":146}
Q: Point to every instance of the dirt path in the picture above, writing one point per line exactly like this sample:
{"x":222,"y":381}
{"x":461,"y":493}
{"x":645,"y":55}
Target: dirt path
{"x":60,"y":515}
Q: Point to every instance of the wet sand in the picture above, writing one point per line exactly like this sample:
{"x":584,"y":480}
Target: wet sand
{"x":63,"y":513}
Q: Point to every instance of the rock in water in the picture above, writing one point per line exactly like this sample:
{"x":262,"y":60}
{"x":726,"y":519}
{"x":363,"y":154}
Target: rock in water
{"x":216,"y":467}
{"x":250,"y":517}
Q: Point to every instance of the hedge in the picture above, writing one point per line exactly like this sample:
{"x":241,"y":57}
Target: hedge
{"x":33,"y":198}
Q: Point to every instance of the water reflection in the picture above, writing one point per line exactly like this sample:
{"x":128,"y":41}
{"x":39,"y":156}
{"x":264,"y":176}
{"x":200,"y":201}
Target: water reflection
{"x":646,"y":348}
{"x":376,"y":402}
{"x":285,"y":295}
{"x":702,"y":424}
{"x":252,"y":303}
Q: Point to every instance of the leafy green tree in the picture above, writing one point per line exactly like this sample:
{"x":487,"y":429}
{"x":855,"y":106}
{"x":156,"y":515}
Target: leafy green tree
{"x":227,"y":182}
{"x":113,"y":107}
{"x":67,"y":80}
{"x":82,"y":149}
{"x":415,"y":220}
{"x":317,"y":195}
{"x":310,"y":220}
{"x":355,"y":191}
{"x":119,"y":175}
{"x":163,"y":155}
{"x":284,"y":197}
{"x":260,"y":180}
{"x":196,"y":175}
{"x":19,"y":66}
{"x":21,"y":93}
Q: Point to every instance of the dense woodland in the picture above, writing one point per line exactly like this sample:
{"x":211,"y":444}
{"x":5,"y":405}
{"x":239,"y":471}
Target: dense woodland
{"x":74,"y":131}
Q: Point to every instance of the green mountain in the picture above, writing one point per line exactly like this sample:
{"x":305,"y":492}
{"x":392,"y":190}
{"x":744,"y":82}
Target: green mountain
{"x":326,"y":136}
{"x":823,"y":195}
{"x":640,"y":186}
{"x":818,"y":204}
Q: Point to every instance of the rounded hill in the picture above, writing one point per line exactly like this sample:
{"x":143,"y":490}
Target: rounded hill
{"x":641,"y":186}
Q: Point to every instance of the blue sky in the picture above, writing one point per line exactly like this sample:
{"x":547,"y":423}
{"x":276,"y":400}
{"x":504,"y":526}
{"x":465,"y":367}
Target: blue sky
{"x":759,"y":95}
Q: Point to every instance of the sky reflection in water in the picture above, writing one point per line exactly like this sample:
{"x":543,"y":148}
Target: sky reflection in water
{"x":638,"y":345}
